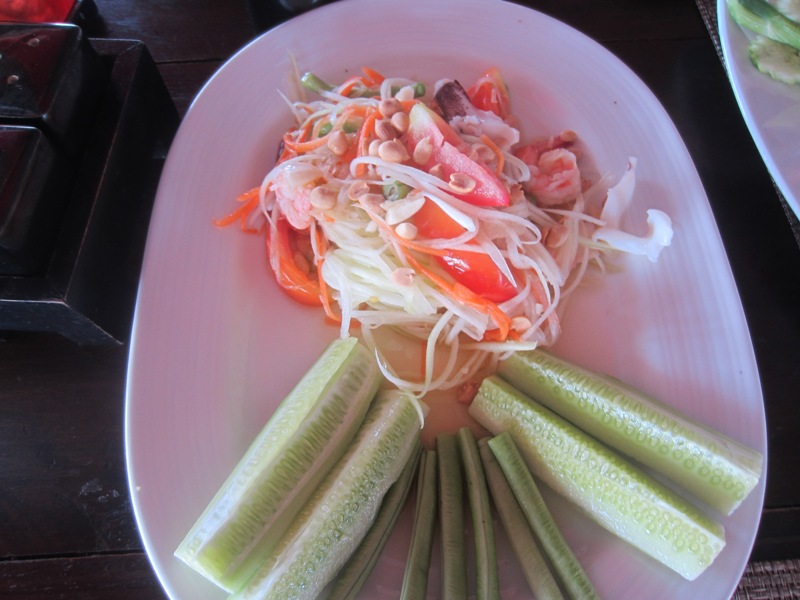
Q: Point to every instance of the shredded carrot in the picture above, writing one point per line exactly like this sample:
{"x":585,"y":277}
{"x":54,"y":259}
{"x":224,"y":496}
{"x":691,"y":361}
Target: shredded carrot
{"x":285,"y":154}
{"x":324,"y":293}
{"x":367,"y":127}
{"x":249,"y":201}
{"x":305,"y":146}
{"x":495,"y":335}
{"x":408,"y":104}
{"x":411,"y":244}
{"x":325,"y":297}
{"x":501,"y":159}
{"x":358,"y":110}
{"x":348,"y":85}
{"x":305,"y":132}
{"x":373,"y":77}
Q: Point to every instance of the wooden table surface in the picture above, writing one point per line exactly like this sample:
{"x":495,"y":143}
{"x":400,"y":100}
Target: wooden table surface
{"x":66,"y":525}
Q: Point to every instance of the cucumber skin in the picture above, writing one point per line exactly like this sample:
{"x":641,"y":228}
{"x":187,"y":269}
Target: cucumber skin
{"x":521,"y":537}
{"x":451,"y":518}
{"x":324,"y":536}
{"x":595,"y":479}
{"x":226,"y":552}
{"x":713,"y":467}
{"x":418,"y":559}
{"x":356,"y":571}
{"x":487,"y":577}
{"x":764,"y":19}
{"x":565,"y":565}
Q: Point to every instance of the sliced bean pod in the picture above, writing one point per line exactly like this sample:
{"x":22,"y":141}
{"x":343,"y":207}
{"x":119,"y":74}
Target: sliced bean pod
{"x":565,"y":565}
{"x":415,"y":578}
{"x":611,"y":490}
{"x":487,"y":584}
{"x":312,"y":82}
{"x":451,"y":518}
{"x":535,"y":565}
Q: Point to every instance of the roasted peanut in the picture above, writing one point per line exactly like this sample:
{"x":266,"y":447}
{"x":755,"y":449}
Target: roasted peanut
{"x":423,"y":151}
{"x":393,"y":151}
{"x":323,"y":197}
{"x":338,"y":142}
{"x":385,"y":130}
{"x":406,"y":230}
{"x":461,"y":183}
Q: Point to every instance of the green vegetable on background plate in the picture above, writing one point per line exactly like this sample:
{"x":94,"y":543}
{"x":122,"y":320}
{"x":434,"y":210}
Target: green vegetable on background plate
{"x":775,"y":50}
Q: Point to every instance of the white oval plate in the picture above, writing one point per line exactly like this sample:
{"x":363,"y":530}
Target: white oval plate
{"x":216,"y":346}
{"x":770,"y":109}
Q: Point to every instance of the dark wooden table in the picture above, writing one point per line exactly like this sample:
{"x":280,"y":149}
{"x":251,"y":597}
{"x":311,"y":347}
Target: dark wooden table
{"x":66,"y":524}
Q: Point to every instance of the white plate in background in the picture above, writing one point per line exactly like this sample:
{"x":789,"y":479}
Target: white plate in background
{"x":771,"y":109}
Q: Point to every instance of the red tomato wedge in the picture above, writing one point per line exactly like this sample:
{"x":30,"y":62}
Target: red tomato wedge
{"x":446,"y":151}
{"x":490,"y":93}
{"x":296,"y":281}
{"x":474,"y":270}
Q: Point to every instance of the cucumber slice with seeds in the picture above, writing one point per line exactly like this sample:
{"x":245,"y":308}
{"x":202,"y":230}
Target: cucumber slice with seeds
{"x":358,"y":568}
{"x":764,"y":19}
{"x":338,"y":515}
{"x":300,"y":443}
{"x":612,"y":491}
{"x":779,"y":61}
{"x":715,"y":468}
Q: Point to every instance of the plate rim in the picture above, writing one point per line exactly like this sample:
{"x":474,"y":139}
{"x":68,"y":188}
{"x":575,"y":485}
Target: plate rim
{"x":129,"y":390}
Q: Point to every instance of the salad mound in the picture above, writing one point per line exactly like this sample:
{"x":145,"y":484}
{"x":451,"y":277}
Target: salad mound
{"x":398,"y":207}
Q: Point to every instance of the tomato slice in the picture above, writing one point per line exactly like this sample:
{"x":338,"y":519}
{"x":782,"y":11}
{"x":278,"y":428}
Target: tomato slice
{"x":477,"y":272}
{"x":432,"y":222}
{"x":293,"y":279}
{"x":447,"y":155}
{"x":490,"y":93}
{"x":474,"y":270}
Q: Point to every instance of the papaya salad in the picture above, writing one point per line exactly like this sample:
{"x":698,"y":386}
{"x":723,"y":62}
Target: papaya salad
{"x":396,"y":206}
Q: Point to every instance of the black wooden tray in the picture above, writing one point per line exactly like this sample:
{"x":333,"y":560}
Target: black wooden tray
{"x":88,"y":288}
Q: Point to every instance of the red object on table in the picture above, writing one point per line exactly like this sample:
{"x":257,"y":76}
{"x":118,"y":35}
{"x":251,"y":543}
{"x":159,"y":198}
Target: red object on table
{"x":36,"y":11}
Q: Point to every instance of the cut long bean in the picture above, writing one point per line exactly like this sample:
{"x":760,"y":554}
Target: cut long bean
{"x":451,"y":518}
{"x":351,"y":578}
{"x":566,"y":567}
{"x":415,"y":578}
{"x":314,"y":83}
{"x":487,"y":584}
{"x":534,"y":564}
